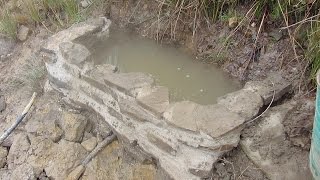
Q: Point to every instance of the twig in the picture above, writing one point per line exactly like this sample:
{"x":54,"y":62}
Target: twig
{"x":289,"y":31}
{"x":98,"y":148}
{"x":242,"y":172}
{"x":19,"y":119}
{"x":253,"y":54}
{"x":301,"y":22}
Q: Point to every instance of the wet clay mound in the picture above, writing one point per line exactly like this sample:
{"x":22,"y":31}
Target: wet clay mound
{"x":184,"y":138}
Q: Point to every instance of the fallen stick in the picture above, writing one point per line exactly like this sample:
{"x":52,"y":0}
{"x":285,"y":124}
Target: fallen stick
{"x":98,"y":148}
{"x":77,"y":172}
{"x":19,"y":119}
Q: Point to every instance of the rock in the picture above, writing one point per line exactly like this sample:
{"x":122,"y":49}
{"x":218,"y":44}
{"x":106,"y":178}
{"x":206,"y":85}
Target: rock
{"x":44,"y":128}
{"x":23,"y":33}
{"x":181,"y":115}
{"x":47,"y":87}
{"x":276,"y":34}
{"x":2,"y":103}
{"x":216,"y":120}
{"x":266,"y":88}
{"x":90,"y":144}
{"x":24,"y":172}
{"x":157,"y":101}
{"x":76,"y":173}
{"x":233,"y":22}
{"x":73,"y":126}
{"x":67,"y":156}
{"x":41,"y":152}
{"x":246,"y":103}
{"x":299,"y":122}
{"x":18,"y":152}
{"x":128,"y":82}
{"x":6,"y":46}
{"x":111,"y":164}
{"x":5,"y":174}
{"x":145,"y":171}
{"x":85,"y":3}
{"x":86,"y":136}
{"x":3,"y":156}
{"x":74,"y":53}
{"x":45,"y":122}
{"x":267,"y":146}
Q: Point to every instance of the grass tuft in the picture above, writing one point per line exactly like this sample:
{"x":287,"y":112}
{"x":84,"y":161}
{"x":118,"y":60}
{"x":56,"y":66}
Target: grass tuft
{"x":71,"y":8}
{"x":313,"y":50}
{"x":33,"y":10}
{"x":8,"y":25}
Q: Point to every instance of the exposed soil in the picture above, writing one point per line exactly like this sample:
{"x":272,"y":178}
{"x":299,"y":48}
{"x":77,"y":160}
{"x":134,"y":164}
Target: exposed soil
{"x":22,"y":72}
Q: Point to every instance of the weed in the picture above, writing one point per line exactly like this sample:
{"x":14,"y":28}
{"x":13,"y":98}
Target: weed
{"x":33,"y":10}
{"x":8,"y":25}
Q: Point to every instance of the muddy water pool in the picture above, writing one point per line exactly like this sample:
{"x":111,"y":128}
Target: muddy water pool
{"x":186,"y":77}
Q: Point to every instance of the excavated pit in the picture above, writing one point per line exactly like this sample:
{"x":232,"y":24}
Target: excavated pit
{"x":184,"y":137}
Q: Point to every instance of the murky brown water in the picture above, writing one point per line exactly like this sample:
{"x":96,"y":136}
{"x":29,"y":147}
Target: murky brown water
{"x":186,"y":77}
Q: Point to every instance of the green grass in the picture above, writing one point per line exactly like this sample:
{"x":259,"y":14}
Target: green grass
{"x":59,"y":13}
{"x":8,"y":25}
{"x":313,"y":50}
{"x":71,"y":8}
{"x":33,"y":10}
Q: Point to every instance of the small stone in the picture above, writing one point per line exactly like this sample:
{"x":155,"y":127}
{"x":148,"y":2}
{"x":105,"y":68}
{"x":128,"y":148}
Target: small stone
{"x":23,"y":33}
{"x":2,"y":103}
{"x":73,"y":126}
{"x":233,"y":22}
{"x":76,"y":173}
{"x":157,"y":101}
{"x":90,"y":144}
{"x":276,"y":34}
{"x":85,"y":3}
{"x":3,"y":156}
{"x":47,"y":87}
{"x":24,"y":171}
